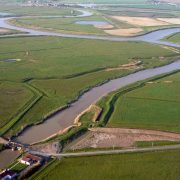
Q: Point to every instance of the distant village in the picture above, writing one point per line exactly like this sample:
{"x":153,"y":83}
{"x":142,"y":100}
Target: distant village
{"x":37,"y":3}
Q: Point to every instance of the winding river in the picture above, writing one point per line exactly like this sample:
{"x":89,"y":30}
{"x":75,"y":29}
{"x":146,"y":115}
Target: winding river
{"x":65,"y":118}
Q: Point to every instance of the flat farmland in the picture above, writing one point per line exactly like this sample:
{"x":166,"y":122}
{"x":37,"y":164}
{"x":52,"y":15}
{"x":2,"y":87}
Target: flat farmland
{"x":37,"y":11}
{"x":67,"y":25}
{"x":135,"y":25}
{"x":140,"y":166}
{"x":175,"y":38}
{"x":13,"y":97}
{"x":57,"y":72}
{"x":153,"y":106}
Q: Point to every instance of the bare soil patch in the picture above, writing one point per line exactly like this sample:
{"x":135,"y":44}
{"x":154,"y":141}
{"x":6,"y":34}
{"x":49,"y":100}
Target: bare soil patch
{"x":141,"y":21}
{"x":170,"y":20}
{"x":121,"y":137}
{"x":104,"y":26}
{"x":53,"y":147}
{"x":3,"y":141}
{"x":130,"y":66}
{"x":124,"y":32}
{"x":2,"y":30}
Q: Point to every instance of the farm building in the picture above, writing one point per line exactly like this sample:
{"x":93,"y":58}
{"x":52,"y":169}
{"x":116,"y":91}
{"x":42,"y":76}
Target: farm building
{"x":30,"y":159}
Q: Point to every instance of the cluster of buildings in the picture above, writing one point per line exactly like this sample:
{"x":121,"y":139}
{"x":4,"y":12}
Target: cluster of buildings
{"x":28,"y":160}
{"x":36,"y":3}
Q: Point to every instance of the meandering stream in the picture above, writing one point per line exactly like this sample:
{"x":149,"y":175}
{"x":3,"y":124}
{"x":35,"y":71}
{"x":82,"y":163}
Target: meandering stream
{"x":65,"y":118}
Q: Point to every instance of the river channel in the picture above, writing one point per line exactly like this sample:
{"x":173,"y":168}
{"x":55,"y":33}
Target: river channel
{"x":65,"y":118}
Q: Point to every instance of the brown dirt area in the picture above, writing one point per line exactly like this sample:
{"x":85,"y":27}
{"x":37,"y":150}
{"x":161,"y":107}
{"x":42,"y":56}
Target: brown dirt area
{"x":170,"y":20}
{"x":105,"y":26}
{"x":121,"y":137}
{"x":129,"y":66}
{"x":171,"y":49}
{"x":53,"y":147}
{"x":124,"y":32}
{"x":140,"y":21}
{"x":95,"y":109}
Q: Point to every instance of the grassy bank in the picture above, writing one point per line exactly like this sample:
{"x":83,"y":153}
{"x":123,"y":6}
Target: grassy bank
{"x":37,"y":11}
{"x":62,"y":25}
{"x":55,"y":68}
{"x":143,"y":106}
{"x":175,"y":38}
{"x":123,"y":166}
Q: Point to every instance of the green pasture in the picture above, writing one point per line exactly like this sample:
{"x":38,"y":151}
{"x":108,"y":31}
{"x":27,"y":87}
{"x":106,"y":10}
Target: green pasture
{"x":57,"y":70}
{"x":67,"y":25}
{"x":155,"y":143}
{"x":140,"y":166}
{"x":153,"y":106}
{"x":175,"y":38}
{"x":55,"y":57}
{"x":37,"y":11}
{"x":13,"y":96}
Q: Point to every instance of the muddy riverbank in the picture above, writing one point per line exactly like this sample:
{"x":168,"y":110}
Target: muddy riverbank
{"x":65,"y":118}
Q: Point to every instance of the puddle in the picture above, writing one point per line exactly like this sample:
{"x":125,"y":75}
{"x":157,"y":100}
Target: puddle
{"x":3,"y":14}
{"x":10,"y":60}
{"x":94,"y":23}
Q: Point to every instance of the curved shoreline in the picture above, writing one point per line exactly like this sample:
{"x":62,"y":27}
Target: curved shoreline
{"x":65,"y":118}
{"x":150,"y":37}
{"x":57,"y":121}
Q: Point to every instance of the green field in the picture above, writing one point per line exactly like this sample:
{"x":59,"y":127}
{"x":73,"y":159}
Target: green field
{"x":175,"y":38}
{"x":37,"y":11}
{"x":13,"y":97}
{"x":140,"y":166}
{"x":155,"y":143}
{"x":153,"y":106}
{"x":19,"y":167}
{"x":67,"y":25}
{"x":56,"y":71}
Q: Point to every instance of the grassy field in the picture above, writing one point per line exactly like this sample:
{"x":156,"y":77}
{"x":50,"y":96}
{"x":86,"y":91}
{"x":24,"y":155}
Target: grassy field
{"x":19,"y":167}
{"x":56,"y":71}
{"x":13,"y":97}
{"x":153,"y":106}
{"x":175,"y":38}
{"x":37,"y":11}
{"x":151,"y":165}
{"x":155,"y":143}
{"x":67,"y":25}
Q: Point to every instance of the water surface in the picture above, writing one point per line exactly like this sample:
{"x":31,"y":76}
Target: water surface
{"x":94,"y":23}
{"x":65,"y":118}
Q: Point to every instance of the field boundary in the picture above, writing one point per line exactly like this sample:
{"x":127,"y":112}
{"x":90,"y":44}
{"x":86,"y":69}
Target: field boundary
{"x":37,"y":96}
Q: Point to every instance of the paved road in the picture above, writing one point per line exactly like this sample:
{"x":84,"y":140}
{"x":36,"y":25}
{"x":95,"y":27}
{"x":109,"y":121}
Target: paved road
{"x":94,"y":153}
